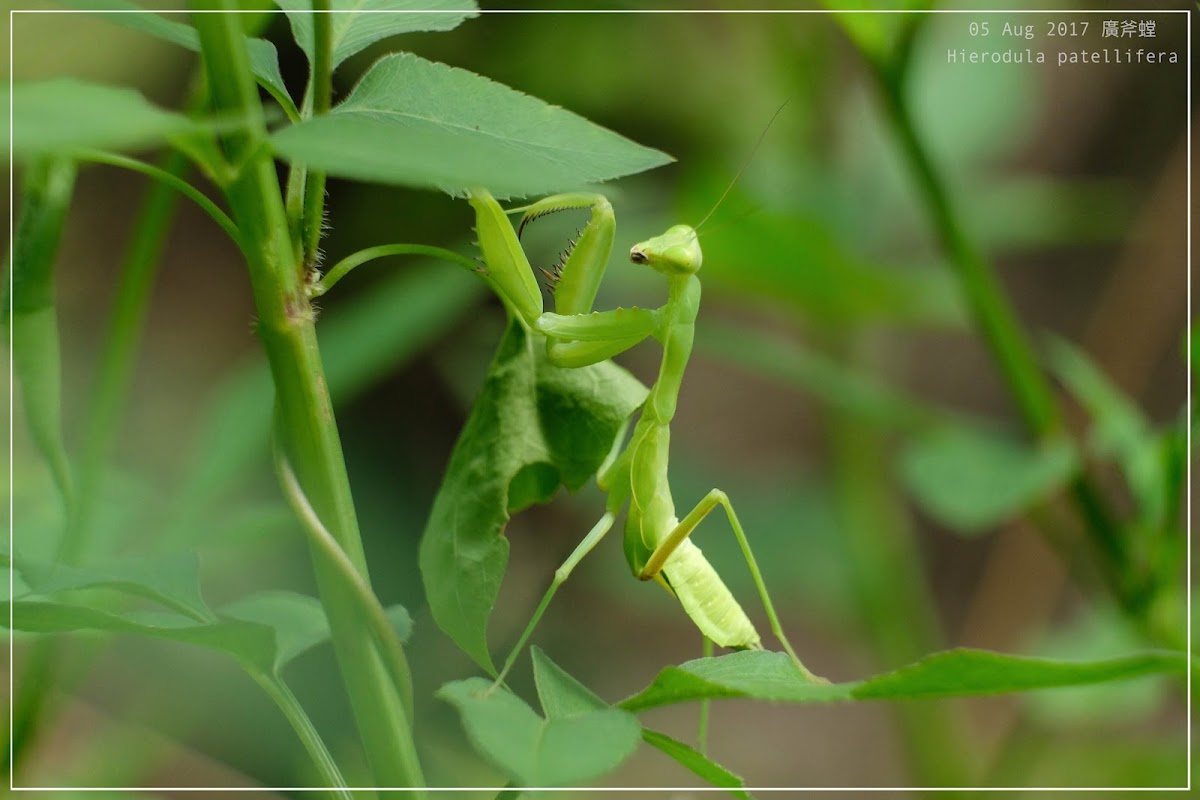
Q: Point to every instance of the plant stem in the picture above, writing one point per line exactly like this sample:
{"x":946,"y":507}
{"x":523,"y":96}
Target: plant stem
{"x":322,"y":87}
{"x":169,"y":176}
{"x":1003,"y":336}
{"x":997,"y":324}
{"x":278,"y":691}
{"x":304,"y":413}
{"x":705,"y":706}
{"x":369,"y":605}
{"x":46,"y":193}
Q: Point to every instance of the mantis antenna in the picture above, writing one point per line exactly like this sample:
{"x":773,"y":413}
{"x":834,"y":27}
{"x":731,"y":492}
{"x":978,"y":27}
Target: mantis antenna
{"x":745,"y":164}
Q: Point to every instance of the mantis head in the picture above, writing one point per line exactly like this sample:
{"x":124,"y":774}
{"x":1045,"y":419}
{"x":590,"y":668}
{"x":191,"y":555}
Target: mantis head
{"x":676,"y":252}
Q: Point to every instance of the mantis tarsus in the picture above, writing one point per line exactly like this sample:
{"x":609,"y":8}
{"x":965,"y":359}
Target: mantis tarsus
{"x":657,"y":543}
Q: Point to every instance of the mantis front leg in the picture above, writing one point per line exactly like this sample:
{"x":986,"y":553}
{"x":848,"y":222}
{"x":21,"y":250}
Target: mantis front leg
{"x":576,"y":280}
{"x":576,"y":338}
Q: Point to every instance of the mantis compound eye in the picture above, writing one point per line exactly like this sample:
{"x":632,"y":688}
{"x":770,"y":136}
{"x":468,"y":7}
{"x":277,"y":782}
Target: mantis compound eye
{"x":637,"y":256}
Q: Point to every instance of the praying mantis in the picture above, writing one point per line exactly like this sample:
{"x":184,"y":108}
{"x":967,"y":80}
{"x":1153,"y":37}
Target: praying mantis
{"x":657,"y":543}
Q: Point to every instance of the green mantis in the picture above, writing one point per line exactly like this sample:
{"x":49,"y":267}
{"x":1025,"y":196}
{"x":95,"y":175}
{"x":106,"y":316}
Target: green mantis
{"x":657,"y":543}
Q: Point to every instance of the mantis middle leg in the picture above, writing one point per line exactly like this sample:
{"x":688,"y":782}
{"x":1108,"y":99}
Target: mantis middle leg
{"x":560,"y":576}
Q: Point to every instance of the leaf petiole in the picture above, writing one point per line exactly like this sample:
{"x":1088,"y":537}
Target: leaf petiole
{"x":339,"y":270}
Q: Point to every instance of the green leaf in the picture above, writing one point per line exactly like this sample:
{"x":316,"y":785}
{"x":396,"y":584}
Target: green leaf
{"x":534,"y":425}
{"x":876,"y":34}
{"x":960,"y":672}
{"x":759,"y":674}
{"x":264,"y":59}
{"x":31,"y":314}
{"x":970,"y":479}
{"x":414,"y":122}
{"x":249,"y":643}
{"x":265,"y":630}
{"x":561,"y":694}
{"x":61,"y":115}
{"x":1119,"y":429}
{"x":299,"y":621}
{"x":765,"y":675}
{"x":541,"y":752}
{"x":354,"y":31}
{"x":401,"y":621}
{"x":172,"y":579}
{"x":696,"y":761}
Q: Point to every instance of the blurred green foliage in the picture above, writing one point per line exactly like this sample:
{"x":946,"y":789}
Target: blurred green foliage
{"x":839,"y":395}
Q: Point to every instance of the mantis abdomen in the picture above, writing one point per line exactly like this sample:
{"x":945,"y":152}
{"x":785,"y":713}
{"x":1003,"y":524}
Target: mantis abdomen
{"x":706,"y":599}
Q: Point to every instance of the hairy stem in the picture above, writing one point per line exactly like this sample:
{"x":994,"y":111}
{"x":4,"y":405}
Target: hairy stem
{"x":313,"y":215}
{"x":304,"y":414}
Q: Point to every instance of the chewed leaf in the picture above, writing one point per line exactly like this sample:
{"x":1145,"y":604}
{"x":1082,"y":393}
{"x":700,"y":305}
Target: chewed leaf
{"x":414,"y":122}
{"x":357,"y":24}
{"x":541,"y":752}
{"x":509,"y":438}
{"x":64,"y":114}
{"x":971,"y":479}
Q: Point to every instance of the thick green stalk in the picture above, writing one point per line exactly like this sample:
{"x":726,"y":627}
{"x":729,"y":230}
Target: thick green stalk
{"x":304,"y":412}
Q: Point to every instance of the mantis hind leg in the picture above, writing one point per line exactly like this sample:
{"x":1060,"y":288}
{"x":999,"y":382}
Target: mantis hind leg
{"x":687,"y":526}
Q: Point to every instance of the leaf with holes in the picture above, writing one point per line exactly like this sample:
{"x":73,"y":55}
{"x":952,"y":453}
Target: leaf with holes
{"x":534,"y":427}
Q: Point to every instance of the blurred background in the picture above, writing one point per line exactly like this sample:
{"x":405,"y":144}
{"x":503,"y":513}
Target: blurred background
{"x":831,"y":321}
